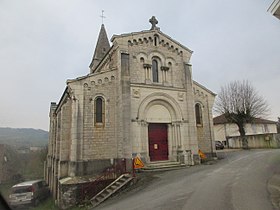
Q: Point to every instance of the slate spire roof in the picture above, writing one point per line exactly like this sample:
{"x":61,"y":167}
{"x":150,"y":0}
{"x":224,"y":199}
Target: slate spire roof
{"x":102,"y":47}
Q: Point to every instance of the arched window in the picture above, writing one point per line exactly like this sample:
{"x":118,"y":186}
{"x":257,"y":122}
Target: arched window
{"x":155,"y":40}
{"x":155,"y":70}
{"x":198,"y":114}
{"x":99,"y":110}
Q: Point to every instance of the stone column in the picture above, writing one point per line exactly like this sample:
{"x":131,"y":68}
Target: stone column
{"x":164,"y":70}
{"x":162,"y":76}
{"x":148,"y":72}
{"x":174,"y":137}
{"x":170,"y":143}
{"x":145,"y":140}
{"x":179,"y":134}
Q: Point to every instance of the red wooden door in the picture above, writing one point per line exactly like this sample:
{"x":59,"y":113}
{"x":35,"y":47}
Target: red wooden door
{"x":158,"y":144}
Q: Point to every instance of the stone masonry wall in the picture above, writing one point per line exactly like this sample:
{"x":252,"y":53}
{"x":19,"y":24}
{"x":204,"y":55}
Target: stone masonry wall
{"x":98,"y":141}
{"x":205,"y":132}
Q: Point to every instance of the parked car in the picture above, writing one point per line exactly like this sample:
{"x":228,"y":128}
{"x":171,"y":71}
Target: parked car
{"x":219,"y":145}
{"x":28,"y":193}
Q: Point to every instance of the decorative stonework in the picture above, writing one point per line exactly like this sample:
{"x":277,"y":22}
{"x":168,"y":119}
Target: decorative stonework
{"x":164,"y":68}
{"x":136,"y":93}
{"x":101,"y":81}
{"x":173,"y":47}
{"x":146,"y":65}
{"x":154,"y":21}
{"x":71,"y":94}
{"x":86,"y":86}
{"x":181,"y":96}
{"x":199,"y":93}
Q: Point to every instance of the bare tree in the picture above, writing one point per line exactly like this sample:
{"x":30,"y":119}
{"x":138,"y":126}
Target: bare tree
{"x":241,"y":104}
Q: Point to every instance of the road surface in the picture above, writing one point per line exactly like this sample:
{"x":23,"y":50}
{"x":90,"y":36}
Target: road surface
{"x":237,"y":182}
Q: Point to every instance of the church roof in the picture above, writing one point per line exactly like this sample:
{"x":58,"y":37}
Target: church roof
{"x":203,"y":87}
{"x":153,"y":29}
{"x":102,"y":47}
{"x":149,"y":31}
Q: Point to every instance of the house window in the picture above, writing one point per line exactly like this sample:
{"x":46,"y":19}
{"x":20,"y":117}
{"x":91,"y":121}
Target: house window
{"x":155,"y":70}
{"x":198,"y":114}
{"x":254,"y":128}
{"x":99,"y":110}
{"x":266,"y":130}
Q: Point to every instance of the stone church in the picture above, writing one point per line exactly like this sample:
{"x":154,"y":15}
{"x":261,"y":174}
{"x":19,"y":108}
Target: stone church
{"x":138,"y":99}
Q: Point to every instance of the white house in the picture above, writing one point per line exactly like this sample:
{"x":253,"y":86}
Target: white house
{"x":261,"y":133}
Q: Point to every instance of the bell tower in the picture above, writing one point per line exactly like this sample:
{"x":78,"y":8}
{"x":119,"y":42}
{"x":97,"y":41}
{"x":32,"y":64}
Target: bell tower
{"x":102,"y":47}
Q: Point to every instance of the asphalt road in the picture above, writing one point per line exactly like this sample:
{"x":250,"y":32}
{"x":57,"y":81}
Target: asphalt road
{"x":238,"y":181}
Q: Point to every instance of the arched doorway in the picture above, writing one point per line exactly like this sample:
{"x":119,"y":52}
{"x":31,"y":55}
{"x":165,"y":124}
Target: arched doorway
{"x":160,"y":114}
{"x":158,"y":117}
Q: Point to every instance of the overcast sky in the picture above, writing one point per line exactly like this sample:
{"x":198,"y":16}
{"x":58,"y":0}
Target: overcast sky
{"x":44,"y":43}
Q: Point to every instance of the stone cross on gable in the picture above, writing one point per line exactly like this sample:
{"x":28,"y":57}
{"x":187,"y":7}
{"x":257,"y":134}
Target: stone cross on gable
{"x":102,"y":16}
{"x":153,"y":21}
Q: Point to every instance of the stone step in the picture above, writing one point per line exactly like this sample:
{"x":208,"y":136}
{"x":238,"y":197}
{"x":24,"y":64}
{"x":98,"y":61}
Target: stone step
{"x":163,"y":166}
{"x":162,"y":163}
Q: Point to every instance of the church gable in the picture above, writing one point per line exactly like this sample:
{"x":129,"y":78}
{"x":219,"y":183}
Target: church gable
{"x":153,"y":39}
{"x":201,"y":93}
{"x":156,"y":58}
{"x":153,"y":36}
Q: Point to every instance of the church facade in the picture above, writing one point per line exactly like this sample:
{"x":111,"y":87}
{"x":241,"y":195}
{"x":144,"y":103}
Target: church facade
{"x":139,"y":99}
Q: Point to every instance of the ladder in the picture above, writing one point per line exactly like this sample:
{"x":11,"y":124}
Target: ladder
{"x":116,"y":185}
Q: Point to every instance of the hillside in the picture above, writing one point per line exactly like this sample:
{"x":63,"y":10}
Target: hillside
{"x":23,"y":137}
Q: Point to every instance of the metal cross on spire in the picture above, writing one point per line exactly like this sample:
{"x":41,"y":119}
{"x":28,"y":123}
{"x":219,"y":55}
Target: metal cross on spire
{"x":102,"y":16}
{"x":153,"y":21}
